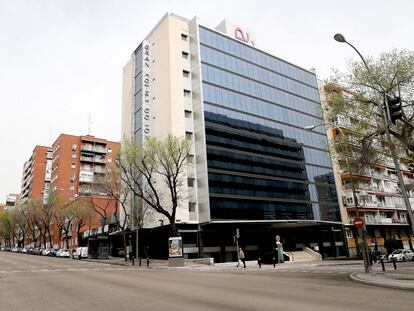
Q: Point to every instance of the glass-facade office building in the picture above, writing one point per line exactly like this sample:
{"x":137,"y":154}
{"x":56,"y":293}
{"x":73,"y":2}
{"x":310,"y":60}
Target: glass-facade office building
{"x":254,"y":168}
{"x":262,"y":163}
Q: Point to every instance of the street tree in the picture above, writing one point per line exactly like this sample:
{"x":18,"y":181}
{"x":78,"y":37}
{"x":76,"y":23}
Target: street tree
{"x":47,"y":211}
{"x":154,"y":173}
{"x":19,"y":217}
{"x":6,"y":229}
{"x":122,"y":195}
{"x":390,"y":73}
{"x":63,"y":218}
{"x":82,"y":211}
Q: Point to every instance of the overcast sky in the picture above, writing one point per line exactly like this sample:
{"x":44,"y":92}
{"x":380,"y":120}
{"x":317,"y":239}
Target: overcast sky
{"x":62,"y":60}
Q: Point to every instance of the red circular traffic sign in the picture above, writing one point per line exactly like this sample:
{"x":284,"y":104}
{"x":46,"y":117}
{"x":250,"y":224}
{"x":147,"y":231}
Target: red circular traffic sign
{"x":359,"y":222}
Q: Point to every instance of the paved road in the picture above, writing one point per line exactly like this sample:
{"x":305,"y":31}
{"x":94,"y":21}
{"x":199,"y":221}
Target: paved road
{"x":41,"y":283}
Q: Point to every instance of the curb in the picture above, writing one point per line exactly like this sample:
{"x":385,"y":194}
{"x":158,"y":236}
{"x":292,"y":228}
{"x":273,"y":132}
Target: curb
{"x":107,"y":262}
{"x":354,"y":277}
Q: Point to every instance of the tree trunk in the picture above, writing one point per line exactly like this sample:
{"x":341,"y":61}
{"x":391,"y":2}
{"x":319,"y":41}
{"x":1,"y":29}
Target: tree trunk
{"x":125,"y":247}
{"x":50,"y":237}
{"x":173,"y":227}
{"x":23,"y":240}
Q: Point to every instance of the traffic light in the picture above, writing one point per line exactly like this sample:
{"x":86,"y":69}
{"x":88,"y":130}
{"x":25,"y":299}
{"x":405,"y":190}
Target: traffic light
{"x":394,"y":108}
{"x":411,"y":167}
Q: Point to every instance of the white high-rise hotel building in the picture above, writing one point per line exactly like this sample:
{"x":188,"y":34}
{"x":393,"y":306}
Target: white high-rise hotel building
{"x":253,"y":166}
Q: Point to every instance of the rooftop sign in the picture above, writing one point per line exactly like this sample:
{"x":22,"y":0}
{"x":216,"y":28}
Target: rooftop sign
{"x":237,"y":32}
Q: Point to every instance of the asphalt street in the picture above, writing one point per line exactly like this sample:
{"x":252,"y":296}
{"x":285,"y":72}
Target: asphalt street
{"x":42,"y":283}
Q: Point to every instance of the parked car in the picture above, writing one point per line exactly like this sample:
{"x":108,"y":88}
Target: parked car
{"x":46,"y":251}
{"x":64,"y":253}
{"x":54,"y":252}
{"x":80,"y":252}
{"x":401,"y":255}
{"x":24,"y":250}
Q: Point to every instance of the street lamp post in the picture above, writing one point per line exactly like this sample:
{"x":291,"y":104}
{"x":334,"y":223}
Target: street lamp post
{"x":365,"y":252}
{"x":340,"y":38}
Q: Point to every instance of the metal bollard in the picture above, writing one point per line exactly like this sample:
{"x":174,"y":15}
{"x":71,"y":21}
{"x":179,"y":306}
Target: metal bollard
{"x":133,"y":260}
{"x":259,"y":262}
{"x":148,"y":262}
{"x":274,"y":262}
{"x":382,"y":264}
{"x":139,"y":259}
{"x":394,"y":263}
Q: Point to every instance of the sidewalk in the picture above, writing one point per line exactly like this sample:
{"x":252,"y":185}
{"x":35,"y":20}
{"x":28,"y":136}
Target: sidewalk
{"x":402,"y":278}
{"x":226,"y":266}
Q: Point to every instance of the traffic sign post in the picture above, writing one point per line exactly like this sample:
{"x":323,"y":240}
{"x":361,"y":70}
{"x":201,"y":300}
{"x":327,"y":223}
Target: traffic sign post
{"x":359,"y":223}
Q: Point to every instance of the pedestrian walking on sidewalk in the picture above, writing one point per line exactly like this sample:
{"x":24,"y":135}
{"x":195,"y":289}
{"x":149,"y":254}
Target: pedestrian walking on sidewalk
{"x":242,"y":257}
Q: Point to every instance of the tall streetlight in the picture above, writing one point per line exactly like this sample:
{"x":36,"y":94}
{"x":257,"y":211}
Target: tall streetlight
{"x":365,"y":257}
{"x":340,"y":38}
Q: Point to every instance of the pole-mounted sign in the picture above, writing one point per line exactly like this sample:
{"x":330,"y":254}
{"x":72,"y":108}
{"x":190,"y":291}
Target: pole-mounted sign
{"x":358,"y":222}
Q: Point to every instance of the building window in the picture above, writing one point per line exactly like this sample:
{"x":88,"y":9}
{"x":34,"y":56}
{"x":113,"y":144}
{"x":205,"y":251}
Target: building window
{"x":191,"y":207}
{"x":72,"y":177}
{"x":188,"y":136}
{"x":72,"y":165}
{"x":184,"y":37}
{"x":348,"y":234}
{"x":73,"y":155}
{"x":190,"y":159}
{"x":74,"y":146}
{"x":186,"y":74}
{"x":187,"y":114}
{"x":72,"y":187}
{"x":50,"y":154}
{"x":187,"y":93}
{"x":109,"y":149}
{"x":185,"y":55}
{"x":190,"y":182}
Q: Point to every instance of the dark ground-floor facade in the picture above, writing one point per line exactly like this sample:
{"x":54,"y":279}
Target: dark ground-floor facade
{"x":217,"y":240}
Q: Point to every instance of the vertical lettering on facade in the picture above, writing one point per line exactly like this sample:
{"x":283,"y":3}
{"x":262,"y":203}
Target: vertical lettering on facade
{"x":146,"y":90}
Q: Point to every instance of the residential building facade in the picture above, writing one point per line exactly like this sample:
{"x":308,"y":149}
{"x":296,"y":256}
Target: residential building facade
{"x":79,"y":167}
{"x":380,"y":202}
{"x":37,"y":174}
{"x":252,"y":167}
{"x":12,"y":201}
{"x":79,"y":164}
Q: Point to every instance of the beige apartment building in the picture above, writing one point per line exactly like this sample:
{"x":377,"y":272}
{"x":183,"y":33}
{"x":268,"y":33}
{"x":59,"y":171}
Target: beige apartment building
{"x":377,"y":189}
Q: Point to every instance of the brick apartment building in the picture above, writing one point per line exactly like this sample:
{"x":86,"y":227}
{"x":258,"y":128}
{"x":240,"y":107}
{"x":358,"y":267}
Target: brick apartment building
{"x":80,"y":164}
{"x":78,"y":169}
{"x":37,"y":174}
{"x":73,"y":168}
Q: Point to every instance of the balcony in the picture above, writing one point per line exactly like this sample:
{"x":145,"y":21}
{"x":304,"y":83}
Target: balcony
{"x":85,"y":190}
{"x":400,"y":221}
{"x":92,"y":159}
{"x":94,"y":148}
